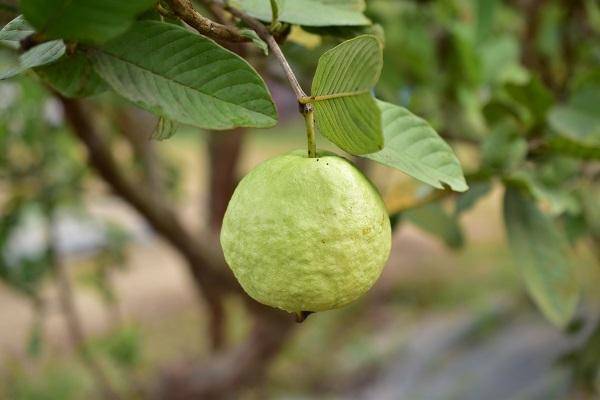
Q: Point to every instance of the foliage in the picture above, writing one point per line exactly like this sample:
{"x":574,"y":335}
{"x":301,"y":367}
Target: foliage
{"x":517,"y":86}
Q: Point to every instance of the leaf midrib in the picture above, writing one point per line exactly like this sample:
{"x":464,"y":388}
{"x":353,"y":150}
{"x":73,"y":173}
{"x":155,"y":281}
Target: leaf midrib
{"x":182,"y":84}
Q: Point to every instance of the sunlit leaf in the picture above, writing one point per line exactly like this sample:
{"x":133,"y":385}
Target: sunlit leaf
{"x":346,"y":74}
{"x":413,"y":147}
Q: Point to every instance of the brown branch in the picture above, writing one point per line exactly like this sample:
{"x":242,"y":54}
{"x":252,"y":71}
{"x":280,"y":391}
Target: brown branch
{"x":184,"y":9}
{"x":224,"y":149}
{"x":204,"y":258}
{"x":143,"y":149}
{"x":245,"y":365}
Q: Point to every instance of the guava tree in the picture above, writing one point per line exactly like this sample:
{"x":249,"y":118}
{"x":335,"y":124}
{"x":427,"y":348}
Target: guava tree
{"x":524,"y":96}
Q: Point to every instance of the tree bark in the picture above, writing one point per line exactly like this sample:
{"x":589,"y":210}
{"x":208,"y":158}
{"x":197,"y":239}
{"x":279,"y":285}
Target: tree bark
{"x":224,"y":150}
{"x":243,"y":365}
{"x":246,"y":365}
{"x":204,"y":258}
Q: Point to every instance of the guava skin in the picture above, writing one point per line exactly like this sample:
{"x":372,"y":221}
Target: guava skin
{"x":306,"y":234}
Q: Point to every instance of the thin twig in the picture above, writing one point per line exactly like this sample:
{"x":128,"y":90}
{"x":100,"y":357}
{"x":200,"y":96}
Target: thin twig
{"x":306,"y":109}
{"x":265,"y":35}
{"x":184,"y":9}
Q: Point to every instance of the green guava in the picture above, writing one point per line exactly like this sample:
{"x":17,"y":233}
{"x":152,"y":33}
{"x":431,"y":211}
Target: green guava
{"x":306,"y":234}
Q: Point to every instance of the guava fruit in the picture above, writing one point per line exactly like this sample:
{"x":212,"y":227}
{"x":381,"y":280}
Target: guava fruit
{"x":306,"y":234}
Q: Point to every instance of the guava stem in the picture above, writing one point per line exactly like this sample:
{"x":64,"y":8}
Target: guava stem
{"x":309,"y":119}
{"x":302,"y":315}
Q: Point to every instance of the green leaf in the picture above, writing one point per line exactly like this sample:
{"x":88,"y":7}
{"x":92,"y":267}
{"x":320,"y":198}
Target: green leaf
{"x":468,"y":199}
{"x":434,"y":219}
{"x":348,"y":114}
{"x":503,"y":148}
{"x":165,"y":128}
{"x":589,"y":194}
{"x":93,"y":21}
{"x":577,"y":124}
{"x":73,"y":76}
{"x":308,"y":12}
{"x":185,"y":77}
{"x":533,"y":97}
{"x":541,"y":252}
{"x":16,"y":30}
{"x":258,"y":42}
{"x":485,"y":11}
{"x":413,"y":147}
{"x":347,"y":32}
{"x":574,"y":147}
{"x":559,"y":199}
{"x":39,"y":55}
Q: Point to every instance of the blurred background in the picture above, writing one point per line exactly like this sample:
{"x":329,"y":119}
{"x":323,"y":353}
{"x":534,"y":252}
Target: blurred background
{"x":104,"y":231}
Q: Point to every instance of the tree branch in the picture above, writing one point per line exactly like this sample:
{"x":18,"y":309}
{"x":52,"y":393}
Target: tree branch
{"x":244,"y":365}
{"x":184,"y":9}
{"x":265,"y":35}
{"x":204,"y":258}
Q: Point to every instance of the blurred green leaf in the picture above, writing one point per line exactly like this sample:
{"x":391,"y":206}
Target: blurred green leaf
{"x":16,"y":30}
{"x":434,"y":219}
{"x":124,"y":347}
{"x":559,"y":199}
{"x":351,"y":70}
{"x":485,"y":10}
{"x":541,"y":253}
{"x":35,"y":340}
{"x":413,"y":147}
{"x":533,"y":97}
{"x":503,"y":148}
{"x":37,"y":56}
{"x":468,"y":199}
{"x":308,"y":12}
{"x":575,"y":227}
{"x":185,"y":77}
{"x":348,"y":32}
{"x":73,"y":76}
{"x":499,"y":57}
{"x":573,"y":147}
{"x":577,"y":124}
{"x":93,"y":21}
{"x":466,"y":65}
{"x":590,"y":199}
